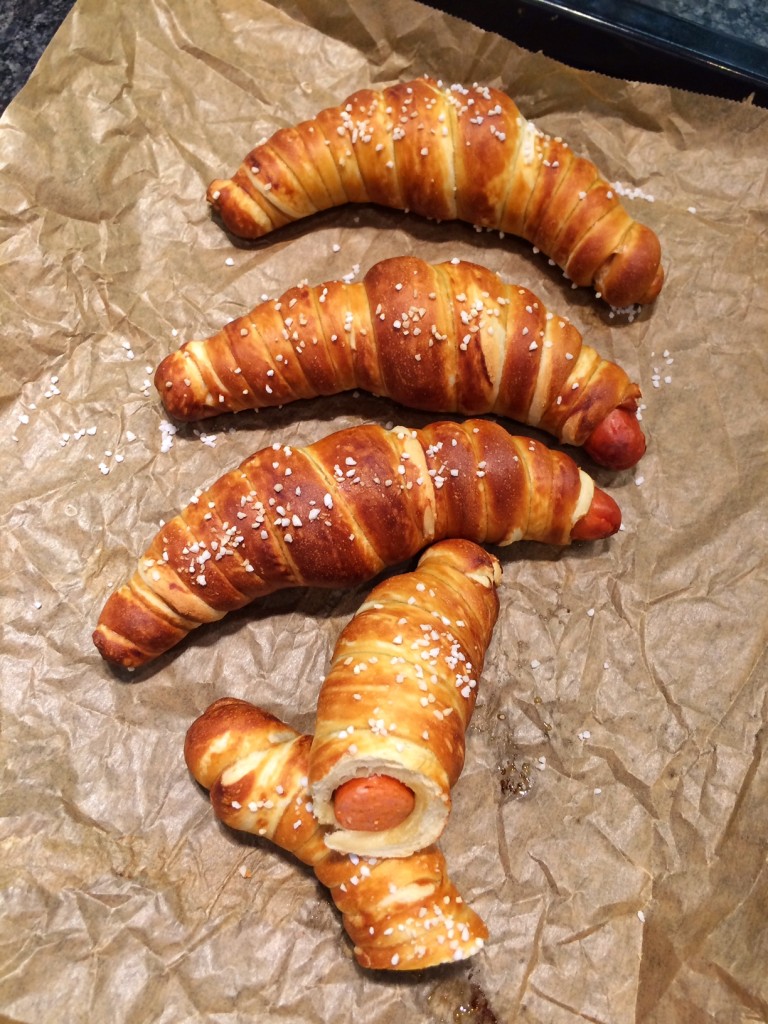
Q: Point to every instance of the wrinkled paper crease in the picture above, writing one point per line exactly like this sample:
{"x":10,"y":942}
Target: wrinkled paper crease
{"x":610,"y":825}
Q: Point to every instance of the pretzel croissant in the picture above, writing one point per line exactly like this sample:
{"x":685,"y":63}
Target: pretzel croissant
{"x":401,"y":914}
{"x":338,"y":512}
{"x":397,"y":700}
{"x":448,"y":153}
{"x":447,"y":338}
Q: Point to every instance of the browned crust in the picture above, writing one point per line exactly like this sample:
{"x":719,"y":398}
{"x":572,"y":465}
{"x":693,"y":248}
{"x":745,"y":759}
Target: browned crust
{"x":451,"y":337}
{"x":448,"y":152}
{"x":437,"y":623}
{"x":335,"y":514}
{"x":400,"y":913}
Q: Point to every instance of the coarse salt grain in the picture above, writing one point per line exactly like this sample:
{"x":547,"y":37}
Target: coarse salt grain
{"x":167,"y":431}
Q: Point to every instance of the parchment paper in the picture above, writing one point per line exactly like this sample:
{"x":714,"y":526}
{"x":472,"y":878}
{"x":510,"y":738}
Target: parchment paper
{"x":611,"y":823}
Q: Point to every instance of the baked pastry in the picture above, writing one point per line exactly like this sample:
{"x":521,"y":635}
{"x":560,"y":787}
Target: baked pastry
{"x":446,"y":338}
{"x":336,"y":513}
{"x":394,"y":707}
{"x":400,"y":913}
{"x":448,"y":152}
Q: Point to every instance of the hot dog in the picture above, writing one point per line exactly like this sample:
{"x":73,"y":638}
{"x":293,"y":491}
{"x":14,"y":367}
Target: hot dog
{"x":618,"y":442}
{"x":602,"y":520}
{"x":360,"y":500}
{"x":400,"y":915}
{"x":450,"y":337}
{"x":393,"y":709}
{"x":373,"y":803}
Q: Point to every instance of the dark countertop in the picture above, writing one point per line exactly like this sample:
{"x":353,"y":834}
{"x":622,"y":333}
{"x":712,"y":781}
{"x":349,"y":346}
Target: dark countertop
{"x":719,"y":47}
{"x":26,"y":28}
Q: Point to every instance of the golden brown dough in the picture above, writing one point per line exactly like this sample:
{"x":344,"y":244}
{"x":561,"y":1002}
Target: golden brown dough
{"x":400,"y":691}
{"x":336,"y":513}
{"x":448,"y":152}
{"x":446,"y":338}
{"x":401,"y":913}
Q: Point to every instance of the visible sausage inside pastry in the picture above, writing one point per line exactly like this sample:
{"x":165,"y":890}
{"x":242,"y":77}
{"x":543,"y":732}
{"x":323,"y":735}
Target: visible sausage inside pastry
{"x":393,"y":710}
{"x":451,"y":337}
{"x":401,"y":914}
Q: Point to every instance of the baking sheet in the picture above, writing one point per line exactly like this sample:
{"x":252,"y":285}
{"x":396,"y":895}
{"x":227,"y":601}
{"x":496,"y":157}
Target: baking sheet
{"x":610,"y":825}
